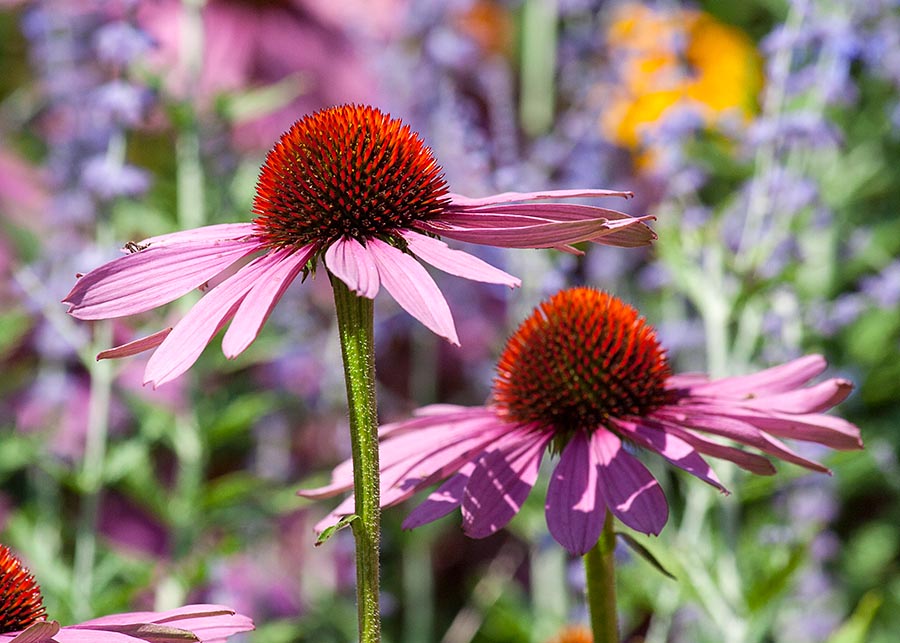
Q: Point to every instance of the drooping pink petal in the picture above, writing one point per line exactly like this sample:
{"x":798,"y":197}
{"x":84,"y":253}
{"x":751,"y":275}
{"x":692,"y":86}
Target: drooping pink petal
{"x":748,"y":461}
{"x":464,"y":202}
{"x":191,"y":335}
{"x":206,"y":623}
{"x":136,"y":346}
{"x":500,"y":483}
{"x":672,"y":448}
{"x":632,"y":493}
{"x":413,"y":288}
{"x":456,"y":262}
{"x":283,"y":266}
{"x":742,"y":432}
{"x":575,"y":506}
{"x":352,"y":263}
{"x":144,"y":280}
{"x":441,"y":501}
{"x":778,"y":379}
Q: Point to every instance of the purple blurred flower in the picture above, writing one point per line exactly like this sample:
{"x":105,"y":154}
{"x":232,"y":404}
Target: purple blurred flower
{"x":122,"y":102}
{"x":120,"y":43}
{"x":884,"y":287}
{"x":109,"y":179}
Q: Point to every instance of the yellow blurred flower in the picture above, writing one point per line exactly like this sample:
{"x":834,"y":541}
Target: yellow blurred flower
{"x":675,"y":57}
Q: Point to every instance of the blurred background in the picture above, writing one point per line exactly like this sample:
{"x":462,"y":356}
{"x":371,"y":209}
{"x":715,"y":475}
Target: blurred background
{"x":765,"y":137}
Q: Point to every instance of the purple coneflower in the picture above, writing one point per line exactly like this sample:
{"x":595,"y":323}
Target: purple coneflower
{"x":23,"y":617}
{"x":358,"y":189}
{"x":585,"y":376}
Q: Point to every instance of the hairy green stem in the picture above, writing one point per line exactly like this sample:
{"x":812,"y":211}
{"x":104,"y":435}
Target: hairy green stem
{"x":600,"y":566}
{"x":355,"y":326}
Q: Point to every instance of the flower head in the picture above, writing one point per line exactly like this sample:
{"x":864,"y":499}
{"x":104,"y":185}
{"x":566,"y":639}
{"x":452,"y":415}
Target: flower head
{"x":22,"y":617}
{"x":585,"y":376}
{"x":358,"y":190}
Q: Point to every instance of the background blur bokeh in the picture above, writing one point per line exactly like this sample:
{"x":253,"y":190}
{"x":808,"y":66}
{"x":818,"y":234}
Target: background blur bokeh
{"x":765,"y":137}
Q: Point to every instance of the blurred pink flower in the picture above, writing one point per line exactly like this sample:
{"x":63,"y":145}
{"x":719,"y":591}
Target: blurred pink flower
{"x":584,"y":376}
{"x":358,"y":189}
{"x":249,"y":45}
{"x":22,"y":617}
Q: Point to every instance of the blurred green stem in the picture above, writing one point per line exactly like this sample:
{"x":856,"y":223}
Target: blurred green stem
{"x":91,"y":479}
{"x":600,"y":565}
{"x":355,"y":326}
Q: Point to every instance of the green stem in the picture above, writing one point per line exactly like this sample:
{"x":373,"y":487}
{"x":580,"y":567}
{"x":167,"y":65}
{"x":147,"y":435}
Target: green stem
{"x":355,"y":325}
{"x":600,"y":565}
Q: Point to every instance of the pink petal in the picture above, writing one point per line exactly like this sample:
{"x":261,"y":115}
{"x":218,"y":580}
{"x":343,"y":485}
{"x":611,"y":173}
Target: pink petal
{"x":352,"y":263}
{"x":37,"y":633}
{"x":742,"y":432}
{"x":465,"y":202}
{"x":575,"y":505}
{"x":136,"y":346}
{"x":748,"y":461}
{"x":190,"y":336}
{"x":543,"y":235}
{"x":282,"y":267}
{"x":442,"y":501}
{"x":500,"y":483}
{"x":217,"y":232}
{"x":672,"y":448}
{"x":456,"y":262}
{"x":144,"y":280}
{"x":410,"y":284}
{"x":778,"y":379}
{"x":811,"y":399}
{"x":827,"y":430}
{"x":632,"y":494}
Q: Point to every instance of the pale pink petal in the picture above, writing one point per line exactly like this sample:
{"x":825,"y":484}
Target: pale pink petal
{"x":442,"y":501}
{"x":447,"y":415}
{"x":136,"y":346}
{"x":191,"y":335}
{"x":413,"y":288}
{"x":352,"y":263}
{"x":827,"y":430}
{"x":672,"y":448}
{"x":206,"y":623}
{"x":217,"y":232}
{"x":150,"y":278}
{"x":551,"y":212}
{"x":632,"y":493}
{"x":510,"y":197}
{"x":575,"y":506}
{"x":456,"y":262}
{"x":548,"y":234}
{"x":283,"y":268}
{"x":500,"y":483}
{"x":778,"y":379}
{"x":811,"y":399}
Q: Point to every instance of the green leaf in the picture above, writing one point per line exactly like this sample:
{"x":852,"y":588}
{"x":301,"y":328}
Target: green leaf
{"x":856,"y":629}
{"x":644,"y":553}
{"x":328,"y":532}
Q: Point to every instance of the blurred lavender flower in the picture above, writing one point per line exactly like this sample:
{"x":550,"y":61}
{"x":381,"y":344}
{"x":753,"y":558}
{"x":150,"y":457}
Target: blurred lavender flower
{"x":884,"y":287}
{"x":109,"y":179}
{"x":122,"y":102}
{"x":121,"y":43}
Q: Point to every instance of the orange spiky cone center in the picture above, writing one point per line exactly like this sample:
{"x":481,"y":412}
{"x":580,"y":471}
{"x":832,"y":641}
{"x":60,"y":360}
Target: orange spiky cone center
{"x":348,"y":171}
{"x":582,"y":357}
{"x":21,"y":603}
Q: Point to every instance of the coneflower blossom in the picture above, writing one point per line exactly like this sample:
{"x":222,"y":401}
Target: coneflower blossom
{"x":23,"y":617}
{"x":358,"y":189}
{"x":585,"y":376}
